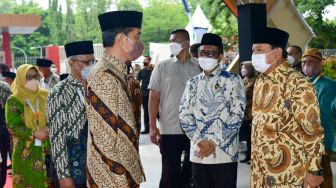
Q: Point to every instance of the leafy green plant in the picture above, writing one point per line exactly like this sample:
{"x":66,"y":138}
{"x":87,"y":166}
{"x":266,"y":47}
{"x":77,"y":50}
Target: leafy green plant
{"x":329,"y":68}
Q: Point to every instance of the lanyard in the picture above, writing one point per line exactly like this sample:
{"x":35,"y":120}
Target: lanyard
{"x":36,"y":112}
{"x":317,"y":78}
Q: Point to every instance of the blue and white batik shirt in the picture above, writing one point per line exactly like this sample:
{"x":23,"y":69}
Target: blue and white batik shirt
{"x":212,"y":108}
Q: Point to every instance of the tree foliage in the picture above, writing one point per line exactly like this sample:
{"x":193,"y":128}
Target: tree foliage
{"x":314,"y":11}
{"x":80,"y":22}
{"x":129,"y":5}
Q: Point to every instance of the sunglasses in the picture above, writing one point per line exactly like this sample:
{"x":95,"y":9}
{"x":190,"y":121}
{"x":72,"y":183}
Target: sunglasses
{"x":33,"y":76}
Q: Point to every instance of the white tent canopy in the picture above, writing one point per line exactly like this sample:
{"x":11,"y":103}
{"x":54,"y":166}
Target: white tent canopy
{"x":199,"y":25}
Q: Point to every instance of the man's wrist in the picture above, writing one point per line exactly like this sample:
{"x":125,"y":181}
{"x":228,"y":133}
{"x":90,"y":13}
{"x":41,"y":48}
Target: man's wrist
{"x":316,"y":172}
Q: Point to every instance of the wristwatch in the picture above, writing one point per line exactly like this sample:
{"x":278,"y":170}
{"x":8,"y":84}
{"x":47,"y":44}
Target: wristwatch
{"x":317,"y":172}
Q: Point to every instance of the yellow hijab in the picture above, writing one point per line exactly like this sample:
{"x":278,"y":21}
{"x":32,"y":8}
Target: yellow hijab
{"x":22,"y":94}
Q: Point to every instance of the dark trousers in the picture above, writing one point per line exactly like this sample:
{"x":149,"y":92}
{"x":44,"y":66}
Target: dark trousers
{"x":176,"y":172}
{"x":215,"y":175}
{"x":245,"y":134}
{"x":4,"y":147}
{"x":145,"y":99}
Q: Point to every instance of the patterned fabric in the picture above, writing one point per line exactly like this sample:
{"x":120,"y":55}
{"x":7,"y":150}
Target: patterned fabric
{"x":50,"y":82}
{"x":249,"y":86}
{"x":113,"y":158}
{"x":5,"y":92}
{"x":68,"y":129}
{"x":136,"y":101}
{"x":212,"y":108}
{"x":28,"y":160}
{"x":287,"y":136}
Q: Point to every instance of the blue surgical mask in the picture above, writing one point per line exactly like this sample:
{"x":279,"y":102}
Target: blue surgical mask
{"x":86,"y":71}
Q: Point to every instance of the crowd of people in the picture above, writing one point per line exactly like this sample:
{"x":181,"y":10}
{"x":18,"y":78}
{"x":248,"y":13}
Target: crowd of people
{"x":82,"y":129}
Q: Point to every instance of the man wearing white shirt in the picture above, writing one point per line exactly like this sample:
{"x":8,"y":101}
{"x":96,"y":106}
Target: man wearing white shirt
{"x":211,"y":112}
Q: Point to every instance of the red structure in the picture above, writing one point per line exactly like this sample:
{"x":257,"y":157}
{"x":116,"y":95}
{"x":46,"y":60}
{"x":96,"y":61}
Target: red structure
{"x":6,"y":48}
{"x":16,"y":24}
{"x":53,"y":53}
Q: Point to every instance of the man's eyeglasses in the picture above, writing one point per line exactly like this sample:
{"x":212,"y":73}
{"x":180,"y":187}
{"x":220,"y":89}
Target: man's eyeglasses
{"x":210,"y":53}
{"x":34,"y":76}
{"x":89,"y":62}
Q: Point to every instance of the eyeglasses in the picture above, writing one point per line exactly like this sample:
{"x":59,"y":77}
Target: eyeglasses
{"x":203,"y":53}
{"x":89,"y":62}
{"x":34,"y":76}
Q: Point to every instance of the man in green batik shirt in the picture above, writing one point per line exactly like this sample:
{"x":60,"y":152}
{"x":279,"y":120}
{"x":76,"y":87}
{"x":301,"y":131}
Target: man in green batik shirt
{"x":326,"y":93}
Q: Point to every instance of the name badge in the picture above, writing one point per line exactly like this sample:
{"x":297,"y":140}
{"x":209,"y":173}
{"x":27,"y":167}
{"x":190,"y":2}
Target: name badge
{"x":38,"y":142}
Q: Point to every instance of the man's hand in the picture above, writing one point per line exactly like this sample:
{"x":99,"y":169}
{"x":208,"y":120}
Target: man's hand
{"x":66,"y":183}
{"x":206,"y":148}
{"x":154,"y":134}
{"x":45,"y":129}
{"x":312,"y":181}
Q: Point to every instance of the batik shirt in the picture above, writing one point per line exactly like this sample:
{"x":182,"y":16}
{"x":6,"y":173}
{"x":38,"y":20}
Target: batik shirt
{"x":50,"y":82}
{"x":67,"y":121}
{"x":287,"y":136}
{"x":212,"y":108}
{"x":5,"y":92}
{"x":113,"y":158}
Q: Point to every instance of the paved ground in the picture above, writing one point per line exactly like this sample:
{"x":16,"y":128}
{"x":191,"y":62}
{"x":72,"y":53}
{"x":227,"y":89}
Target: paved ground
{"x":151,"y":160}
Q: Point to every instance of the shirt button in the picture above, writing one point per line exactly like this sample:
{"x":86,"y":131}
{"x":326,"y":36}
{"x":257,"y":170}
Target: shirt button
{"x":75,"y":163}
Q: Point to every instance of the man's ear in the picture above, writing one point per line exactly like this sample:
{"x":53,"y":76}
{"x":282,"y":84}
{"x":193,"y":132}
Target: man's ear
{"x":278,"y":52}
{"x":186,"y":44}
{"x":119,"y":38}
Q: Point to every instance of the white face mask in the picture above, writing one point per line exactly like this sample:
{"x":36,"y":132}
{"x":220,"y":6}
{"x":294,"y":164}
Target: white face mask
{"x":53,"y":70}
{"x":259,"y":62}
{"x":207,"y":64}
{"x":308,"y":71}
{"x":86,"y":72}
{"x":175,"y":48}
{"x":32,"y":85}
{"x":290,"y":60}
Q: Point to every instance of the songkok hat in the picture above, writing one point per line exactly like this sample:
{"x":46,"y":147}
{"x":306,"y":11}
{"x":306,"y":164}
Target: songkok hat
{"x":78,"y":48}
{"x":115,"y":19}
{"x":212,"y":39}
{"x":63,"y":76}
{"x":313,"y":52}
{"x":43,"y":62}
{"x":11,"y":75}
{"x":270,"y":36}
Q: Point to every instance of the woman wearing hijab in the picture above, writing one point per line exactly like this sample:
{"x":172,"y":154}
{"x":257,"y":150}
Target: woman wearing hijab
{"x":26,"y":122}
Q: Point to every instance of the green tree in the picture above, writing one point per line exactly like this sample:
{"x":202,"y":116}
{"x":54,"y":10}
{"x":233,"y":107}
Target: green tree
{"x":160,"y":18}
{"x":129,"y":5}
{"x":6,"y":6}
{"x":70,"y":22}
{"x":40,"y":37}
{"x":314,"y":11}
{"x":86,"y":18}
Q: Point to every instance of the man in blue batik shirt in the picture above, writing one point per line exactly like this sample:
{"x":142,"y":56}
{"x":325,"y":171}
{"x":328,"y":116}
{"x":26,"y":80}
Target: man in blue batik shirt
{"x":211,"y":112}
